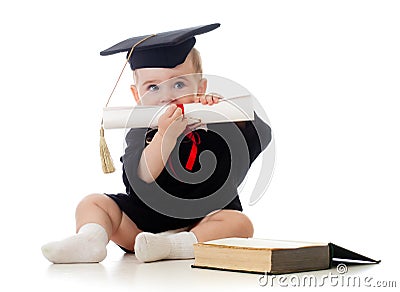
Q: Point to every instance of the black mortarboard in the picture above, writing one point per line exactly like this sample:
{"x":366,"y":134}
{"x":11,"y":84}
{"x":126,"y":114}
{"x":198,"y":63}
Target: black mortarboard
{"x":162,"y":50}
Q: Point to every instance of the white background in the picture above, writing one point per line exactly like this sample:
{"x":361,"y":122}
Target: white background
{"x":326,"y":72}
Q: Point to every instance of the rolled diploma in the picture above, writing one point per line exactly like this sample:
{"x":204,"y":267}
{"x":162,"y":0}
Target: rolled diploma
{"x":232,"y":109}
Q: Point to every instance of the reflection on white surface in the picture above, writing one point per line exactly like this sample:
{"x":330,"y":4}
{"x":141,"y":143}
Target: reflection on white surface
{"x":122,"y":272}
{"x":126,"y":272}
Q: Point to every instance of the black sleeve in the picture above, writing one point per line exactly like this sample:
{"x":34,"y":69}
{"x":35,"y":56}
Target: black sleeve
{"x":135,"y":144}
{"x":257,"y":135}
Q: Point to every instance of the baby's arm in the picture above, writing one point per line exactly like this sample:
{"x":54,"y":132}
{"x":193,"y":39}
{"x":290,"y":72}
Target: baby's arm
{"x":155,"y":155}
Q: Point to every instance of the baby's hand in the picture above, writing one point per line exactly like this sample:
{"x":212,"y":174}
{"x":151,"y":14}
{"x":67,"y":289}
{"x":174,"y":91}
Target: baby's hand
{"x":209,"y":98}
{"x":171,"y":123}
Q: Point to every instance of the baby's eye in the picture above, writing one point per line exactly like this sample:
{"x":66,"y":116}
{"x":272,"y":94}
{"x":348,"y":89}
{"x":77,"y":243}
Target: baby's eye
{"x":179,"y":85}
{"x":153,"y":87}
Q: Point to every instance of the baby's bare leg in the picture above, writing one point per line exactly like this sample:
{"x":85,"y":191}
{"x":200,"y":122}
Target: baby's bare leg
{"x":100,"y":209}
{"x":222,"y":224}
{"x":126,"y":233}
{"x":98,"y":219}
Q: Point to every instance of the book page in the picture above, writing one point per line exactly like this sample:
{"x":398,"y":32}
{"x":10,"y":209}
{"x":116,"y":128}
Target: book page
{"x":262,"y":243}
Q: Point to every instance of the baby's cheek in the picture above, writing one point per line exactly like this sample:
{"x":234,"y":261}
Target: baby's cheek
{"x":186,"y":99}
{"x":189,"y":92}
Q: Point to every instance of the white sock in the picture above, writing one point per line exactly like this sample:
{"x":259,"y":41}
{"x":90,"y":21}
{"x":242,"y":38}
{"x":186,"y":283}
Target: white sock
{"x":87,"y":246}
{"x":151,"y":247}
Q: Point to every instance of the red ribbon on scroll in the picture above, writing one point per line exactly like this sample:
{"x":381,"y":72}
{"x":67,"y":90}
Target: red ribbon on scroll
{"x":195,"y":138}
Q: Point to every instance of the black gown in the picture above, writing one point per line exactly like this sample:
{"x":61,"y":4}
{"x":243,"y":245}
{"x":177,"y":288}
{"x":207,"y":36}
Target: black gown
{"x":211,"y":184}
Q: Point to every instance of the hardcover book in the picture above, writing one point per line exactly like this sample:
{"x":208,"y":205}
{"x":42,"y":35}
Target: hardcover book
{"x":262,"y":256}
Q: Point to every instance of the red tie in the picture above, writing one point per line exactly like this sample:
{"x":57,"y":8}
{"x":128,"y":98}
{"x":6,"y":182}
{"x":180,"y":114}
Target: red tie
{"x":195,"y":138}
{"x":193,"y":151}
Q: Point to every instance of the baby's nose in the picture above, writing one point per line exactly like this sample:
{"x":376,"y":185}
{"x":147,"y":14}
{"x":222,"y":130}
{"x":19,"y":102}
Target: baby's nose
{"x":168,"y":98}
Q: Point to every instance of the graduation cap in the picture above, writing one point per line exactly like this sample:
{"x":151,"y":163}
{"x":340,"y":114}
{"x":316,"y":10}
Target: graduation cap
{"x":162,"y":50}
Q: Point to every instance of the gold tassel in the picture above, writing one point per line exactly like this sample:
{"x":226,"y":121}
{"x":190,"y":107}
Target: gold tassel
{"x":106,"y":160}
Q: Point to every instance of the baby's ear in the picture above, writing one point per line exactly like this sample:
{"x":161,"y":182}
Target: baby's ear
{"x":135,"y":94}
{"x":202,"y":88}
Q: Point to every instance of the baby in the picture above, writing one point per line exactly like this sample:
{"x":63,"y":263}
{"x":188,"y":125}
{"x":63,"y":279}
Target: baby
{"x":155,"y":163}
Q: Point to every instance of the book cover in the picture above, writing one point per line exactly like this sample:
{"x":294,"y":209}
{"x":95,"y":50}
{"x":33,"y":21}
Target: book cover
{"x":253,"y":255}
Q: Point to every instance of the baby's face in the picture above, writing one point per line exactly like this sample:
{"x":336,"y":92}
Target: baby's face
{"x":158,"y":86}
